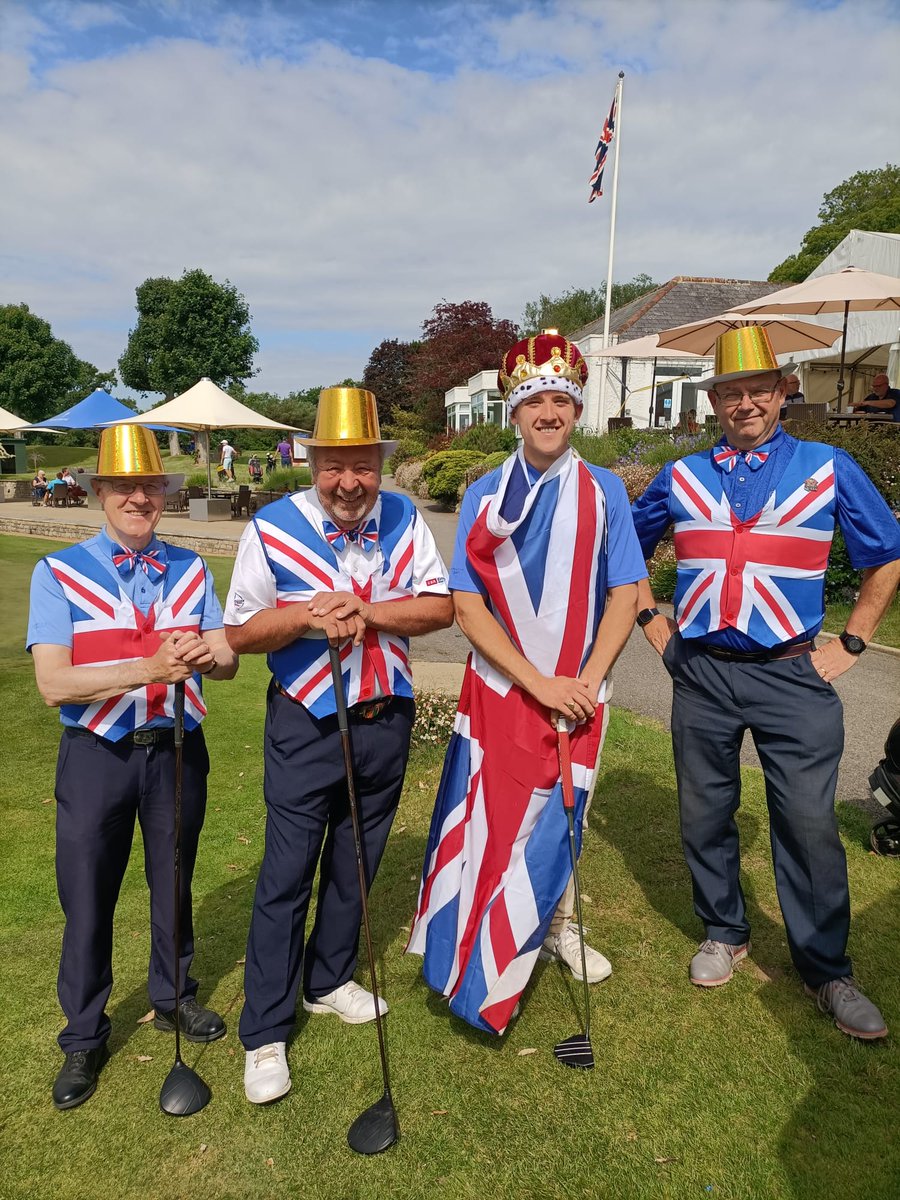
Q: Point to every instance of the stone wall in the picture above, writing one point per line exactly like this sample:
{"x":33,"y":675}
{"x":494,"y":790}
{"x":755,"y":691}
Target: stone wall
{"x":35,"y":527}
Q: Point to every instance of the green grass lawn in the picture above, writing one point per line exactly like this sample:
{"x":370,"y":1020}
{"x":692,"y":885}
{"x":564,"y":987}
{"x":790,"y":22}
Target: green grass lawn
{"x":743,"y":1092}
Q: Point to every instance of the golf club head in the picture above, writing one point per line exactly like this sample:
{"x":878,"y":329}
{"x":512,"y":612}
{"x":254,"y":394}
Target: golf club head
{"x":184,"y":1092}
{"x":376,"y":1129}
{"x":576,"y":1051}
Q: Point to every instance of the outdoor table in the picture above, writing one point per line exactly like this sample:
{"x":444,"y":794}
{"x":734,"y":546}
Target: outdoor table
{"x":853,"y":418}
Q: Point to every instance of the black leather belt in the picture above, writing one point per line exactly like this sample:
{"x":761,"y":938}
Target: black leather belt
{"x":364,"y":710}
{"x":762,"y":656}
{"x":140,"y":737}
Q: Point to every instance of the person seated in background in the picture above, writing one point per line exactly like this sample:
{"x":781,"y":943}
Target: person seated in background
{"x":883,"y":400}
{"x":39,"y":487}
{"x":689,"y":421}
{"x":52,"y":486}
{"x":68,"y":477}
{"x":792,"y":395}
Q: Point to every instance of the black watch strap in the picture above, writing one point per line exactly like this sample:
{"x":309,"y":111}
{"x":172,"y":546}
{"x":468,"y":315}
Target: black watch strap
{"x":851,"y":643}
{"x":646,"y":615}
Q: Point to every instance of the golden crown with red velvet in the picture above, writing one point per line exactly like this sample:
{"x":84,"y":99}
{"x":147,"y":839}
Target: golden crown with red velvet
{"x":549,"y":355}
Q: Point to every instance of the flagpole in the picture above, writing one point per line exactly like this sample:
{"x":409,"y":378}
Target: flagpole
{"x":612,"y":243}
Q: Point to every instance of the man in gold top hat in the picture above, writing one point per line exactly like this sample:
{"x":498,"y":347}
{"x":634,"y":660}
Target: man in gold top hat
{"x":753,"y":522}
{"x":115,"y":622}
{"x":348,"y":565}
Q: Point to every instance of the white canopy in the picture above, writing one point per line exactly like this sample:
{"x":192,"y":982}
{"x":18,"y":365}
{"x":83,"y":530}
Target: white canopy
{"x":9,"y":422}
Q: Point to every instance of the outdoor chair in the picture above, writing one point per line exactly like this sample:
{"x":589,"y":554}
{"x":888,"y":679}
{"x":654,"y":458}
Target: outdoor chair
{"x":806,"y":413}
{"x":196,"y":493}
{"x":618,"y":423}
{"x":241,"y":500}
{"x":61,"y":496}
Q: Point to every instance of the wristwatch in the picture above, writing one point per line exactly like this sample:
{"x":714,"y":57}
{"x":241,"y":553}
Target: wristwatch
{"x":646,"y":615}
{"x":851,"y":643}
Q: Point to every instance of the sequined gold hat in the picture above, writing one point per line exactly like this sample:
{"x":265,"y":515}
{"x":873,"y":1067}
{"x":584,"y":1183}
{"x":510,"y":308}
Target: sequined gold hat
{"x":547,"y":362}
{"x":347,"y":417}
{"x":131,"y":450}
{"x":742,"y":352}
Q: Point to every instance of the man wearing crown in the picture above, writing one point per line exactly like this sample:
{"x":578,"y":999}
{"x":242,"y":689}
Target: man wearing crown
{"x":544,"y":582}
{"x":114,"y":623}
{"x":753,"y":522}
{"x":348,"y":565}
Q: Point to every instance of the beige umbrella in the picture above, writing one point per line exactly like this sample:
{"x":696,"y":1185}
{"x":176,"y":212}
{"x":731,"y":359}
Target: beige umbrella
{"x":786,"y":335}
{"x":203,"y":408}
{"x":9,"y":422}
{"x":839,"y":292}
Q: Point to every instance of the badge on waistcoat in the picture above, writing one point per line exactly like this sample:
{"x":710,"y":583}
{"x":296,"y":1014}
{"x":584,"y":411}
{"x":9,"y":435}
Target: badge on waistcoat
{"x":811,"y":485}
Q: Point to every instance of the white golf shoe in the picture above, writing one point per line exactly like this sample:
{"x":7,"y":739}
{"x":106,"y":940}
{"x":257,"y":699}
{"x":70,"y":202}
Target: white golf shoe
{"x":566,"y":948}
{"x":352,"y":1003}
{"x":266,"y":1073}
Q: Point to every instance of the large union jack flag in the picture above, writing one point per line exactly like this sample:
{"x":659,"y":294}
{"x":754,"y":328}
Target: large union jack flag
{"x":303,"y":563}
{"x":108,"y":628}
{"x":603,"y":145}
{"x":497,"y":860}
{"x":764,"y":575}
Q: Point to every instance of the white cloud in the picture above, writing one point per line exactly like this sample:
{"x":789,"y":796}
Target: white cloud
{"x":346,"y":195}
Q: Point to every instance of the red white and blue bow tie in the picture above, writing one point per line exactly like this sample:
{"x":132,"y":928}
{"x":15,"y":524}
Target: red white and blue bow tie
{"x":126,"y":560}
{"x":364,"y":535}
{"x":727,"y":457}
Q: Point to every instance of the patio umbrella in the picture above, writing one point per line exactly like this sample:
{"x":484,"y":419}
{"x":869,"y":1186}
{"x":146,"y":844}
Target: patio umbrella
{"x":9,"y":422}
{"x":850,"y":290}
{"x":203,"y":408}
{"x":93,"y":412}
{"x":786,"y":335}
{"x":643,"y":347}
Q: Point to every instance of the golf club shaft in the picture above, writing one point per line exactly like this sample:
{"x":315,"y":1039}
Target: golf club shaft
{"x":344,"y":727}
{"x":568,"y":790}
{"x":179,"y":771}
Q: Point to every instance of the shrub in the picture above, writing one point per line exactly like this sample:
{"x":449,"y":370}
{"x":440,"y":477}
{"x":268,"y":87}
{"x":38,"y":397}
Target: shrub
{"x":636,"y":477}
{"x":407,"y":448}
{"x":435,"y":714}
{"x":662,"y":571}
{"x":409,"y":476}
{"x":445,"y":471}
{"x":197,"y":479}
{"x":287,"y":479}
{"x":596,"y":448}
{"x":488,"y":438}
{"x":484,"y":468}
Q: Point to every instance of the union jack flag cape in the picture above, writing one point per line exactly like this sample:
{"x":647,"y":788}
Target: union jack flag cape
{"x":303,"y":563}
{"x":108,"y":628}
{"x":497,"y":860}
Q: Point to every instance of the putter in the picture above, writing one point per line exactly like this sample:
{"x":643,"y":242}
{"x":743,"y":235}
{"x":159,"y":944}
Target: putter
{"x":575,"y":1051}
{"x":183,"y":1092}
{"x":376,"y":1128}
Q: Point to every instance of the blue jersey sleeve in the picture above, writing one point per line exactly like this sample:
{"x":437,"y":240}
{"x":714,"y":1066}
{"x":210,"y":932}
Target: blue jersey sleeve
{"x":49,"y":615}
{"x":212,"y":609}
{"x":870,"y":529}
{"x":651,"y":511}
{"x":462,"y":576}
{"x":625,"y":560}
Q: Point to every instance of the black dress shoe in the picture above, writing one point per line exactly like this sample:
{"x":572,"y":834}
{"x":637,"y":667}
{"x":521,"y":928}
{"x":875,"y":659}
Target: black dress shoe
{"x":198,"y":1024}
{"x":77,"y":1079}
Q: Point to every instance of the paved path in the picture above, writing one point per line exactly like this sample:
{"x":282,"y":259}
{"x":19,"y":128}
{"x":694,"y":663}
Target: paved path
{"x":870,"y":692}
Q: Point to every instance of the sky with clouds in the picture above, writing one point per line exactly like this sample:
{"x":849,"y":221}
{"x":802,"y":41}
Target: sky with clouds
{"x":349,"y":163}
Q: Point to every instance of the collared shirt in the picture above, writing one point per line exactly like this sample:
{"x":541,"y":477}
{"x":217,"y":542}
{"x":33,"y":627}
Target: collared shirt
{"x":891,"y":394}
{"x":50,"y":617}
{"x":253,"y":584}
{"x":624,"y":558}
{"x":870,"y":530}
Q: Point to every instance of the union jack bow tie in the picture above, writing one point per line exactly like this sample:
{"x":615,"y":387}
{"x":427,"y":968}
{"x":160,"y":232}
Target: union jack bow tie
{"x":727,"y":457}
{"x":126,"y":560}
{"x":364,"y":535}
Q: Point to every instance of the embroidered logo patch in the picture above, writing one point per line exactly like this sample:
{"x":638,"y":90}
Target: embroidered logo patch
{"x":811,"y":485}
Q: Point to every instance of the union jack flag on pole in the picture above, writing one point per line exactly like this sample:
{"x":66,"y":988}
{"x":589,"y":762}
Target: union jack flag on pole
{"x":606,"y":137}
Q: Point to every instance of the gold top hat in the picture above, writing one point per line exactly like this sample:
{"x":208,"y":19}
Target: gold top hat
{"x":347,"y":417}
{"x":127,"y":450}
{"x":741,"y":352}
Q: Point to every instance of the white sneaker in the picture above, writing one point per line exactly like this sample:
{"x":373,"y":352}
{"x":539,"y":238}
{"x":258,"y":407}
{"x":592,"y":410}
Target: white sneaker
{"x":266,"y":1074}
{"x":350,"y":1002}
{"x":566,"y":948}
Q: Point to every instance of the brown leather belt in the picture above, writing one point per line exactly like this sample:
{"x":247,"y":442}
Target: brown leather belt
{"x":763,"y":656}
{"x":365,"y":710}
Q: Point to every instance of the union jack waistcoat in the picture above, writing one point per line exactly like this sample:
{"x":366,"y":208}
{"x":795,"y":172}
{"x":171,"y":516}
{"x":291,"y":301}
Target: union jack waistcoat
{"x":763,"y":575}
{"x":108,"y":627}
{"x":303,"y":563}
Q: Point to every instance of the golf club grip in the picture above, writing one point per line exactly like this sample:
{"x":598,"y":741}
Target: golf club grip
{"x":565,"y":768}
{"x":179,"y":714}
{"x":337,"y":680}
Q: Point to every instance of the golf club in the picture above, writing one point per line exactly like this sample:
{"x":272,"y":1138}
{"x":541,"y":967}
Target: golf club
{"x":183,"y":1092}
{"x":575,"y":1051}
{"x":376,"y":1128}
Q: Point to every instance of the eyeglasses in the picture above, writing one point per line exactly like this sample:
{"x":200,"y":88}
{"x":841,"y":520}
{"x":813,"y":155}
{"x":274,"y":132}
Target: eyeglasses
{"x":734,"y":395}
{"x":126,"y":487}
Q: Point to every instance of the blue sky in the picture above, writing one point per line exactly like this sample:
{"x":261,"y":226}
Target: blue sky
{"x":348,"y":165}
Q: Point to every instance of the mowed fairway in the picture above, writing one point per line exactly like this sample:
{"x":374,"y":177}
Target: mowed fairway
{"x":741,"y":1092}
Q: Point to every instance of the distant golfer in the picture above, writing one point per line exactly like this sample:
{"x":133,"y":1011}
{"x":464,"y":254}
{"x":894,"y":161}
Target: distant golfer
{"x":284,"y":449}
{"x":226,"y":458}
{"x":347,"y":563}
{"x":544,"y":583}
{"x":114,"y":622}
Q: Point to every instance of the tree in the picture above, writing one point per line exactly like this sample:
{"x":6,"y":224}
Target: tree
{"x":577,"y":307}
{"x":187,"y":329}
{"x":867,"y":200}
{"x":40,"y":375}
{"x":388,"y":374}
{"x":459,"y":340}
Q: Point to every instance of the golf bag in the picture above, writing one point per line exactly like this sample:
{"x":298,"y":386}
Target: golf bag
{"x":254,"y":469}
{"x":885,"y":784}
{"x":270,"y":463}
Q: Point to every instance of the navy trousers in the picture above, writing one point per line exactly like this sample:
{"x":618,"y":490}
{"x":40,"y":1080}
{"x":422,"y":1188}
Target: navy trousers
{"x":100,"y":787}
{"x":306,"y":806}
{"x":796,"y":722}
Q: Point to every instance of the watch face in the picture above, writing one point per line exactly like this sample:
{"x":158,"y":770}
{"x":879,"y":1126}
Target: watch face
{"x":852,"y":644}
